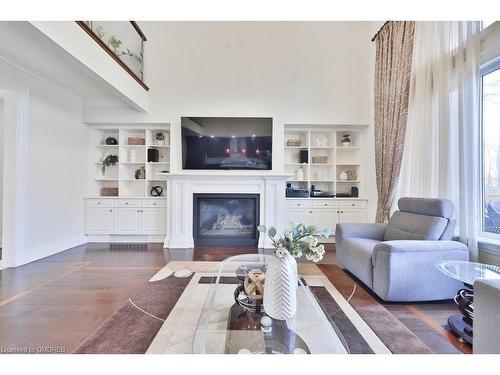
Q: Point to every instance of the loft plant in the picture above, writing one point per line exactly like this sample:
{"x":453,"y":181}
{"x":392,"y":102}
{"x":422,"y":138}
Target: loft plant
{"x":280,"y":288}
{"x":109,"y":161}
{"x":160,"y":137}
{"x":346,"y":139}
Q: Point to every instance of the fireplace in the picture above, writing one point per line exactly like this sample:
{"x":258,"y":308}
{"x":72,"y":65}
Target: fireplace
{"x":227,"y":220}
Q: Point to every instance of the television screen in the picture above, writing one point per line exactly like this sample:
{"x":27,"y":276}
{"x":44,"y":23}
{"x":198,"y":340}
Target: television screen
{"x":227,"y":143}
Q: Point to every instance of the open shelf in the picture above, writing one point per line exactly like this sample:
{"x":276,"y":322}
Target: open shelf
{"x":323,"y":142}
{"x":131,"y":158}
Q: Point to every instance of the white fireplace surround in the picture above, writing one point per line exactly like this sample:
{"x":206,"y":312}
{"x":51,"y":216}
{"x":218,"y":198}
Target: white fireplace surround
{"x":182,"y":186}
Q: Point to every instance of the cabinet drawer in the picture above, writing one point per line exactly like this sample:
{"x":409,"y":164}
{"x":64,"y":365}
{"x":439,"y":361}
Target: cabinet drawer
{"x":154,"y":203}
{"x":298,"y":203}
{"x":127,"y":203}
{"x":353,"y":204}
{"x":325,"y":204}
{"x":99,"y":202}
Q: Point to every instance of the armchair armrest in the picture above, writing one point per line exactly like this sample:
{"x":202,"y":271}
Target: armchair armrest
{"x":366,"y":230}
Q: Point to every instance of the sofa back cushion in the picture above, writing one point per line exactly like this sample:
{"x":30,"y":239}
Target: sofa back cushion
{"x":410,"y":226}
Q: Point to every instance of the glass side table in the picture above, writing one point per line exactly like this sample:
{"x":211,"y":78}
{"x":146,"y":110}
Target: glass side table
{"x":467,"y":273}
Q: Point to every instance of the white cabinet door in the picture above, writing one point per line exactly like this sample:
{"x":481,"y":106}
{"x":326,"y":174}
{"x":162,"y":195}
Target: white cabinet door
{"x":128,"y":221}
{"x":298,"y":216}
{"x":99,"y":220}
{"x":154,"y":220}
{"x":352,"y":216}
{"x":325,"y":219}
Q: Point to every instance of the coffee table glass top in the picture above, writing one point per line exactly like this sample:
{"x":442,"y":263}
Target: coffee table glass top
{"x":468,"y":272}
{"x":226,"y":327}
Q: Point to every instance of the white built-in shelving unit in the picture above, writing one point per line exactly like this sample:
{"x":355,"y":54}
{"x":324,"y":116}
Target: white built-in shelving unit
{"x":324,"y":140}
{"x":122,"y":176}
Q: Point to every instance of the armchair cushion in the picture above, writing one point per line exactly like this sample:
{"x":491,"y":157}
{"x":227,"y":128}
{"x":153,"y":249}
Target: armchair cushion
{"x":410,"y":226}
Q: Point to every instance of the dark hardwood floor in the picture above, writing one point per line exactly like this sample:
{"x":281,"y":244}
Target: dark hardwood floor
{"x":59,"y":300}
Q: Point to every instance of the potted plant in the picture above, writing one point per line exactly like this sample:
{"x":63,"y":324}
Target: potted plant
{"x":346,"y":140}
{"x":280,"y":298}
{"x":109,"y":160}
{"x":160,"y":138}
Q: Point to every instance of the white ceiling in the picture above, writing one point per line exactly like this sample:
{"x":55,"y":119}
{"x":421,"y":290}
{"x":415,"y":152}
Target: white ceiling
{"x":25,"y":46}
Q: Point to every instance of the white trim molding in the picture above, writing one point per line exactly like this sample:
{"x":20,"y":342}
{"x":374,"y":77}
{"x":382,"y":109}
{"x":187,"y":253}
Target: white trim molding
{"x":181,"y":187}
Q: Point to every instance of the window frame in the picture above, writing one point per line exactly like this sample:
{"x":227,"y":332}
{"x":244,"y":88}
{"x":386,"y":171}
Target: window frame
{"x":493,"y":238}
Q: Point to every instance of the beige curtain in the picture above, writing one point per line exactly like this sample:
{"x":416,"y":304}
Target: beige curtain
{"x":394,"y":44}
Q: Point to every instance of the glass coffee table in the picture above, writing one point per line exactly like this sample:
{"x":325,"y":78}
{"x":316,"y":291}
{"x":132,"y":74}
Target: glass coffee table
{"x":226,"y":326}
{"x":467,"y":273}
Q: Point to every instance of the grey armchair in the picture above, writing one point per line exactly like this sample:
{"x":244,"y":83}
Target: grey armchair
{"x":486,"y":312}
{"x":397,"y":260}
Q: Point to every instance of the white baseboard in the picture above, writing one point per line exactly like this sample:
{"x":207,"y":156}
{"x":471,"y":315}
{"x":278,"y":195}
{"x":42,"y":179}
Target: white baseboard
{"x":48,"y":250}
{"x":129,"y":238}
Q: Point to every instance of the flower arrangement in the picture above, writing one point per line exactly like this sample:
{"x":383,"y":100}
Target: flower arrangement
{"x":298,"y":241}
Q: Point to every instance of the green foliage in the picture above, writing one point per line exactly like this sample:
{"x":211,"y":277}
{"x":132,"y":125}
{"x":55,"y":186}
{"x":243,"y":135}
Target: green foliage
{"x":346,"y":138}
{"x":100,"y":33}
{"x":114,"y":43}
{"x":109,"y":160}
{"x":298,"y":241}
{"x":160,"y":136}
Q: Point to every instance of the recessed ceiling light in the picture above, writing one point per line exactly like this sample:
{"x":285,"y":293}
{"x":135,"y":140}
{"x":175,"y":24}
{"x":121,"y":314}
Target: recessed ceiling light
{"x":212,"y":136}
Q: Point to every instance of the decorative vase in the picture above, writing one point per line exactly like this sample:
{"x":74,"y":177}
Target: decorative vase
{"x":346,"y":144}
{"x":132,"y":156}
{"x":299,"y":175}
{"x":280,"y":287}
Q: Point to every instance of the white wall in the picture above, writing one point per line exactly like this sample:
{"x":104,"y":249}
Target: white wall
{"x":1,"y":165}
{"x":295,"y":72}
{"x":57,"y":176}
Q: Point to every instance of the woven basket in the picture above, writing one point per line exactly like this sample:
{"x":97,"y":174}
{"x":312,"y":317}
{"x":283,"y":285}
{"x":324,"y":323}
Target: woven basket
{"x":294,"y":142}
{"x":319,"y":159}
{"x":136,"y":141}
{"x":109,"y":192}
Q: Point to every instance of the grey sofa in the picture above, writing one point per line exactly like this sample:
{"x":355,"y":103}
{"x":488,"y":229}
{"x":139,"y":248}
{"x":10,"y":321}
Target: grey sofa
{"x":397,"y":260}
{"x":486,"y":338}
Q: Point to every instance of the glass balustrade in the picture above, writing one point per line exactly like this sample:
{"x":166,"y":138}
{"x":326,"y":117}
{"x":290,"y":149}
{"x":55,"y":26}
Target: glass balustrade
{"x":125,"y":40}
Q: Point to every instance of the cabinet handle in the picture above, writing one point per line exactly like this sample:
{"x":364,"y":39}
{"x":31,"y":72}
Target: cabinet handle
{"x":310,"y":212}
{"x":154,"y":204}
{"x":338,"y":212}
{"x":126,"y":202}
{"x":352,"y":204}
{"x":110,"y":210}
{"x":138,"y":210}
{"x":326,"y":204}
{"x":298,"y":204}
{"x":341,"y":212}
{"x":98,"y":202}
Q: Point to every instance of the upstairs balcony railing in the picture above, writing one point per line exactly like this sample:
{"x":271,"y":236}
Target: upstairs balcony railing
{"x":123,"y":41}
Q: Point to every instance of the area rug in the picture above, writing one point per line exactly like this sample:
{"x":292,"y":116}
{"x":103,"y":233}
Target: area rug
{"x":162,"y":317}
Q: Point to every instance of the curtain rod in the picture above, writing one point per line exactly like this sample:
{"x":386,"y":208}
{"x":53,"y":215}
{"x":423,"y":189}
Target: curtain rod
{"x":379,"y":30}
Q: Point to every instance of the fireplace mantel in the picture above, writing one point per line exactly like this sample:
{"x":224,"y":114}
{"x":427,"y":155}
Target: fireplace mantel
{"x":182,"y":186}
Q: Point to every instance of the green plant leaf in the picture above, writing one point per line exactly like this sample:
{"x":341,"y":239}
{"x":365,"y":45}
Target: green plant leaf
{"x":272,"y":232}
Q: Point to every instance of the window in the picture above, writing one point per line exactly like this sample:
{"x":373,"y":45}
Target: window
{"x":490,"y":123}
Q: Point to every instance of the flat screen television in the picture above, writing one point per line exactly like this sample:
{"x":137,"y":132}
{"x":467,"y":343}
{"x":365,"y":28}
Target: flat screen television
{"x":227,"y":143}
